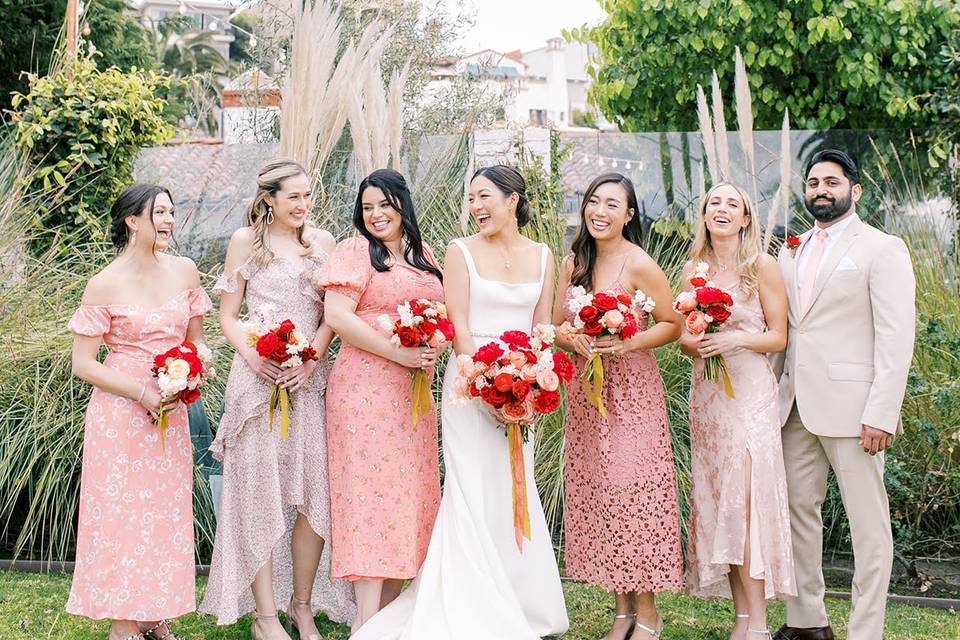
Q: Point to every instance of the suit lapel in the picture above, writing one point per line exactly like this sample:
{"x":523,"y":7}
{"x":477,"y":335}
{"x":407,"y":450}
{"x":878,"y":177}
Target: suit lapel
{"x":832,"y":259}
{"x":793,"y":296}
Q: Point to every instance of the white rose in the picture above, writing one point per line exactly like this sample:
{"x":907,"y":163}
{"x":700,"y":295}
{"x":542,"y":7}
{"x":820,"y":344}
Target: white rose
{"x":385,"y":323}
{"x":178,"y":369}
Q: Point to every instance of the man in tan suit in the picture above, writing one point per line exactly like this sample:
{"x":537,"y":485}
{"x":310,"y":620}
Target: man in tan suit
{"x":851,"y":331}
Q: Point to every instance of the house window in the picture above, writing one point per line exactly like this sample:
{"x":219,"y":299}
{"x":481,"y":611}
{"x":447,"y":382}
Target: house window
{"x":538,"y":116}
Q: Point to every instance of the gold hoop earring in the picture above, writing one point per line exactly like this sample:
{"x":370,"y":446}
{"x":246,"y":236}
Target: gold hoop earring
{"x":269,"y":215}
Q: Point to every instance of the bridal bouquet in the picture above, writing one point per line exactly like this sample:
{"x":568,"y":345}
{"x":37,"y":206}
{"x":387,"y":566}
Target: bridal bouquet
{"x":517,"y":382}
{"x":604,"y":313}
{"x":284,"y":344}
{"x":706,"y":308}
{"x":180,"y":373}
{"x":421,"y":323}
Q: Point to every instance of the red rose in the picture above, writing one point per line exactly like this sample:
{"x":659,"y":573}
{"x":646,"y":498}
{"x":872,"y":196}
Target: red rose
{"x":531,"y":356}
{"x":488,"y":353}
{"x":593,"y":329}
{"x":267,"y":344}
{"x":520,"y":389}
{"x":562,"y":366}
{"x":793,"y":242}
{"x":503,"y":382}
{"x":427,"y":328}
{"x":727,"y":299}
{"x":719,"y":313}
{"x":485,"y":393}
{"x":189,"y":396}
{"x":309,"y":353}
{"x":628,"y":329}
{"x":516,"y":340}
{"x":709,"y":295}
{"x":604,"y":302}
{"x":697,"y":281}
{"x":625,"y":300}
{"x":446,"y":328}
{"x":285,"y":329}
{"x":189,"y":346}
{"x":419,"y":307}
{"x":498,"y":398}
{"x":474,"y":392}
{"x":589,"y":314}
{"x":196,"y":367}
{"x":409,"y":336}
{"x":546,"y":402}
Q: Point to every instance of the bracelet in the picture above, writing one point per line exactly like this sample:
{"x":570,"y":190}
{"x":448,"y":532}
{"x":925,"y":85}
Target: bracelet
{"x":143,"y":390}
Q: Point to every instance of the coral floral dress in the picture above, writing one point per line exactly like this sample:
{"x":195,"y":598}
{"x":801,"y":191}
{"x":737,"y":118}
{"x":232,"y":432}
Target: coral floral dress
{"x":384,"y":474}
{"x":135,"y":555}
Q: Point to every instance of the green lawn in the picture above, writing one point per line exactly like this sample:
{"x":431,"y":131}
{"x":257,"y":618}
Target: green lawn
{"x":31,"y":606}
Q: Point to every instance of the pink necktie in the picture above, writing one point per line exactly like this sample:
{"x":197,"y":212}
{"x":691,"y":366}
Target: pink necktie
{"x":813,"y":266}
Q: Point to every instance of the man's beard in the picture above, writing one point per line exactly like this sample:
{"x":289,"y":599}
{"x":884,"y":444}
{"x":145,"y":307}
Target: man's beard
{"x":825,"y":212}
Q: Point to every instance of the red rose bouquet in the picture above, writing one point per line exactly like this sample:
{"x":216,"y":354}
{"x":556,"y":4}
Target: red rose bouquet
{"x":706,"y":308}
{"x":517,"y":381}
{"x":421,"y":323}
{"x":604,"y":313}
{"x":180,"y":373}
{"x":284,"y":344}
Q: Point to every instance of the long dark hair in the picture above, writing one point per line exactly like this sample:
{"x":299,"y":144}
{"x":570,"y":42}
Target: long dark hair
{"x":132,"y":201}
{"x":395,"y":190}
{"x":584,"y":247}
{"x":508,"y":180}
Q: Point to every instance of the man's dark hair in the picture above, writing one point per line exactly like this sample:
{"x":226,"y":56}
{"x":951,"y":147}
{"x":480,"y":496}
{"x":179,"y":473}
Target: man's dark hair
{"x":850,"y":169}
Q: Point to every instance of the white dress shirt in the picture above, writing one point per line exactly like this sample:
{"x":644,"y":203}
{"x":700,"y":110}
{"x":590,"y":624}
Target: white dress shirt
{"x":834,"y":232}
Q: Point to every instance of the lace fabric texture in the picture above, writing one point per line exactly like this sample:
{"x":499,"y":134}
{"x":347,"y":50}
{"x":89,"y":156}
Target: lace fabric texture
{"x":622,"y":528}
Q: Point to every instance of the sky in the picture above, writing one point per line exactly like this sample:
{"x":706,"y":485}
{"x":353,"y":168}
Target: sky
{"x":506,"y":25}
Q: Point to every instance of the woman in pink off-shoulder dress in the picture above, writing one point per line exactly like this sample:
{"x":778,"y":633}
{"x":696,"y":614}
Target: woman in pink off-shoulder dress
{"x":384,"y":473}
{"x":622,"y":527}
{"x":739,"y":541}
{"x":271,"y":546}
{"x":135,"y":556}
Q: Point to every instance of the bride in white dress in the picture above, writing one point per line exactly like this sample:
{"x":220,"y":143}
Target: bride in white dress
{"x":475,"y":583}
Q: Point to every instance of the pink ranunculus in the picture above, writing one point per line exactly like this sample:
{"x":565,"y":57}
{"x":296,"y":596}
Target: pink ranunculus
{"x":517,"y":359}
{"x":613,"y":319}
{"x":529,"y":372}
{"x":548,"y":380}
{"x":461,"y":386}
{"x":697,"y":323}
{"x":466,"y":366}
{"x":685,"y":302}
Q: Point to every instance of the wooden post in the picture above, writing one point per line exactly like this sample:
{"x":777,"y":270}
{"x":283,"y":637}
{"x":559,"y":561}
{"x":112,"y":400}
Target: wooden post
{"x":72,"y":29}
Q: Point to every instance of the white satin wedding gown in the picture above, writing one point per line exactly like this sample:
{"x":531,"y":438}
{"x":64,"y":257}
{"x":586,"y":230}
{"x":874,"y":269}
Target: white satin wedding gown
{"x":475,"y":584}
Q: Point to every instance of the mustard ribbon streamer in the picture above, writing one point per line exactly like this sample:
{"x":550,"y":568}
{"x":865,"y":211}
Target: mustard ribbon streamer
{"x":422,"y":398}
{"x":715,"y":369}
{"x":592,"y":381}
{"x":163,"y":423}
{"x":280,"y":396}
{"x":521,"y":515}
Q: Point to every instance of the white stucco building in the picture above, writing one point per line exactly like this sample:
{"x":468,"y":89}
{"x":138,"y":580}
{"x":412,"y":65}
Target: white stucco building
{"x":544,"y":86}
{"x":206,"y":15}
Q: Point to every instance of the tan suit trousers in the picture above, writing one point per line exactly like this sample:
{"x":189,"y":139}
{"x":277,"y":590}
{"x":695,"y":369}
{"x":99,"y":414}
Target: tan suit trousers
{"x":807,"y":458}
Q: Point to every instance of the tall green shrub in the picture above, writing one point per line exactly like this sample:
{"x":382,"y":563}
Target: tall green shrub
{"x":82,"y":129}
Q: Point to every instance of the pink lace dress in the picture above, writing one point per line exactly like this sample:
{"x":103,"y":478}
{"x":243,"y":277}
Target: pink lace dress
{"x":621,"y":522}
{"x":384,"y":474}
{"x":723,"y":433}
{"x":268,"y":481}
{"x":134,"y":556}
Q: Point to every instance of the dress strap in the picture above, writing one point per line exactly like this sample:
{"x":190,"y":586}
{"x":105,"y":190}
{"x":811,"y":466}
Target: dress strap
{"x":544,"y":250}
{"x":467,"y":256}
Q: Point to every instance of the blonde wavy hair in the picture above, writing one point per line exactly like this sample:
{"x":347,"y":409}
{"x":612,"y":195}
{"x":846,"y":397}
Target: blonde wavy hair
{"x":269,"y":182}
{"x":751,"y":246}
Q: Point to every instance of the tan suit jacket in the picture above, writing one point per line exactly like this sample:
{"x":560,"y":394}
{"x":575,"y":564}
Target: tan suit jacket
{"x":848,"y":355}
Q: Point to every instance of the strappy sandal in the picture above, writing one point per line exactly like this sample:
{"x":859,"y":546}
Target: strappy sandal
{"x":152,"y":633}
{"x":138,"y":636}
{"x":292,"y":623}
{"x":253,"y":624}
{"x":761,"y":632}
{"x":624,"y":616}
{"x":654,"y":633}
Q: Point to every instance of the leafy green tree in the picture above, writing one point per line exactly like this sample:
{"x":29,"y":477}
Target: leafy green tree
{"x":848,"y":64}
{"x":30,"y":29}
{"x":81,"y":132}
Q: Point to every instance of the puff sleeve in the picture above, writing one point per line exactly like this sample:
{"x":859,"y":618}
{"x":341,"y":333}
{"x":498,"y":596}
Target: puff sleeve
{"x":348,"y":270}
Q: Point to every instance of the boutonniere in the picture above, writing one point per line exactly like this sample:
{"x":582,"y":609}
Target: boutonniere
{"x":793,"y":243}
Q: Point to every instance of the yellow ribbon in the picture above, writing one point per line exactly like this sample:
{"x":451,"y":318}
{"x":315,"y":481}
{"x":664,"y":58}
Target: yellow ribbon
{"x":592,"y":381}
{"x":422,"y":398}
{"x":280,"y":396}
{"x":521,"y":515}
{"x":714,"y":369}
{"x":163,"y":422}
